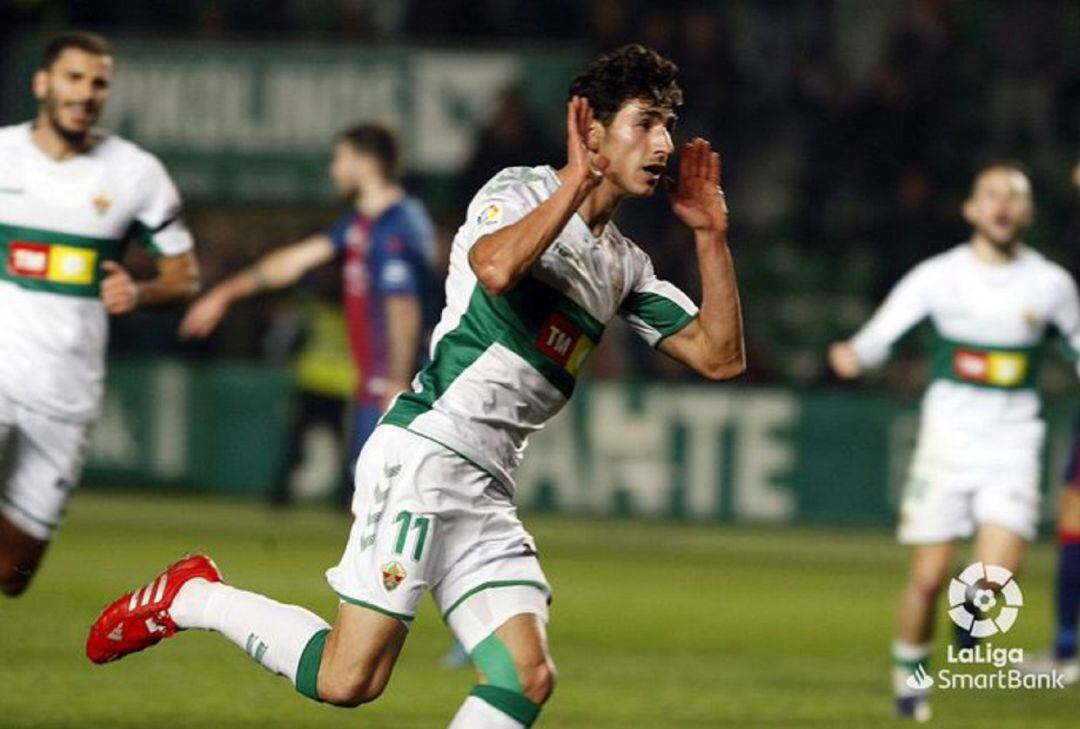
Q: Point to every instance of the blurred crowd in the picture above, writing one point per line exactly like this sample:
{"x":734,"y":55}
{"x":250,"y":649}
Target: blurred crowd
{"x":849,"y":130}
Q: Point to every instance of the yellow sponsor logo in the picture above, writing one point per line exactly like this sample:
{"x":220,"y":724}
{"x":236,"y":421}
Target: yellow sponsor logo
{"x":1007,"y":369}
{"x":72,"y":265}
{"x":578,"y":355}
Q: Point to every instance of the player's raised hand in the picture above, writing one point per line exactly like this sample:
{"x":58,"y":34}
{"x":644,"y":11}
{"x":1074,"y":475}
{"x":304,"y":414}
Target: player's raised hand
{"x":697,"y":197}
{"x":584,"y":163}
{"x":844,"y":361}
{"x":118,"y":291}
{"x":204,"y":315}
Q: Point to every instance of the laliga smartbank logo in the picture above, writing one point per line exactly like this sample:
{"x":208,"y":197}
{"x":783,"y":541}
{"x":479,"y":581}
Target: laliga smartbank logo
{"x":985,"y":600}
{"x":993,"y":592}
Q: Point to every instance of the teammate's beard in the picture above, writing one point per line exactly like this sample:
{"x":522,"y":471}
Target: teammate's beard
{"x":75,"y":139}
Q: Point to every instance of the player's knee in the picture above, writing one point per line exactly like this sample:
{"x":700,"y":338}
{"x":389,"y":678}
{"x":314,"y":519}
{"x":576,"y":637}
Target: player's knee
{"x":1069,"y":510}
{"x":925,"y":587}
{"x":538,"y":681}
{"x":349,"y":689}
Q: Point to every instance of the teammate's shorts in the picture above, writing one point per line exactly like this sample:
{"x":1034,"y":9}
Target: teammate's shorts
{"x":1072,"y":468}
{"x":427,"y":519}
{"x":40,"y":458}
{"x":955,"y":486}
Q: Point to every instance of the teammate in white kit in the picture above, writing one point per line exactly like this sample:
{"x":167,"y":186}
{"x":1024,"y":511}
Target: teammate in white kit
{"x":70,"y":198}
{"x":992,"y":301}
{"x":536,"y":271}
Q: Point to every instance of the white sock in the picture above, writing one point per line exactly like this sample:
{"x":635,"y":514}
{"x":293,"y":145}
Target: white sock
{"x":272,"y":633}
{"x":907,"y":658}
{"x":478,"y":714}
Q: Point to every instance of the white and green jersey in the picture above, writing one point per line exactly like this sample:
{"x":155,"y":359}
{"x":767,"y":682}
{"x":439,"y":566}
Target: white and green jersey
{"x":990,"y":322}
{"x":503,"y":365}
{"x":58,"y":222}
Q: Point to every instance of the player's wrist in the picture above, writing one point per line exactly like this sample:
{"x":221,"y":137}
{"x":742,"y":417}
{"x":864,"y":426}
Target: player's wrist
{"x":579,"y":179}
{"x":236,"y":288}
{"x":710,"y":236}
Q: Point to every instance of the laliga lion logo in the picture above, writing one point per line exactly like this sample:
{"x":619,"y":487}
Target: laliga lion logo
{"x":976,"y":584}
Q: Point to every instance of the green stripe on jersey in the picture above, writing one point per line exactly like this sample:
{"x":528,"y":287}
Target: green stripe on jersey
{"x":659,"y":312}
{"x":545,"y":328}
{"x":14,"y":232}
{"x":43,"y":260}
{"x":998,"y":368}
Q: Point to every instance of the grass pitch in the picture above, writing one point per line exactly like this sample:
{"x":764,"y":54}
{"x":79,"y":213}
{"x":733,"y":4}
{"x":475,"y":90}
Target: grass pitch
{"x":653,"y":625}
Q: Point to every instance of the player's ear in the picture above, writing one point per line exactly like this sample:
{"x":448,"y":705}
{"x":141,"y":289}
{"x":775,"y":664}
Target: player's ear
{"x":595,"y":136}
{"x":969,"y":211}
{"x":1029,"y":214}
{"x":40,"y":84}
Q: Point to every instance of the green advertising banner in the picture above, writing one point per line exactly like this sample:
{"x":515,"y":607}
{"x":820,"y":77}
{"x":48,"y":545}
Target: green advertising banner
{"x":254,"y":121}
{"x":701,"y":452}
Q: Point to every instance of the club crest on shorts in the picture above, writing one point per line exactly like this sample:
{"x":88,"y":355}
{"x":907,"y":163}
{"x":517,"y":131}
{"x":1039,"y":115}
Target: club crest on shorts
{"x":392,"y":575}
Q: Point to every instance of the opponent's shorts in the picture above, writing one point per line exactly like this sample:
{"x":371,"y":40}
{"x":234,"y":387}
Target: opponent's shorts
{"x":957,"y":483}
{"x":427,"y":519}
{"x":1072,"y":468}
{"x":41,"y":458}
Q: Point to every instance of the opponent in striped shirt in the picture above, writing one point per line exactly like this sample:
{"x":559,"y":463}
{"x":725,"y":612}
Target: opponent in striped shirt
{"x":387,"y":249}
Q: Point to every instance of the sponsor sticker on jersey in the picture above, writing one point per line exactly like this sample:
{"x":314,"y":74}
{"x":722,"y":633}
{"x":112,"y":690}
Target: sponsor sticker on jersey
{"x":564,"y":342}
{"x":1004,"y":369}
{"x":30,"y":260}
{"x":72,"y":265}
{"x":61,"y":264}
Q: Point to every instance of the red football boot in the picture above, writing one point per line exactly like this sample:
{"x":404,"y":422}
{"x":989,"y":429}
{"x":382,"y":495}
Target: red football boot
{"x":140,"y":619}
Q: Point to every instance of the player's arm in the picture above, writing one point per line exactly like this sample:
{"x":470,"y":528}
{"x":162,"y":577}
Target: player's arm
{"x":276,"y":270}
{"x":404,"y":324}
{"x":500,"y":259}
{"x":177,"y":280}
{"x":711,"y":344}
{"x":1066,"y":318}
{"x":904,"y":307}
{"x":160,"y":223}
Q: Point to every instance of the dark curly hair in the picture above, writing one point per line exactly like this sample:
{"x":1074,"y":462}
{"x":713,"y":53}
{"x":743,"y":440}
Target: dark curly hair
{"x":627,"y":73}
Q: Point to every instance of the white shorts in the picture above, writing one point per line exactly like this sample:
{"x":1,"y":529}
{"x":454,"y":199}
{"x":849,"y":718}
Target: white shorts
{"x":41,"y":458}
{"x":952,"y":487}
{"x":427,"y":519}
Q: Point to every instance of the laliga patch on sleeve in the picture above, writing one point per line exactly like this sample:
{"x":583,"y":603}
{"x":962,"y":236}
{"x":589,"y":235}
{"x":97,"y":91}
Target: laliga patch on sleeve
{"x":491,"y":215}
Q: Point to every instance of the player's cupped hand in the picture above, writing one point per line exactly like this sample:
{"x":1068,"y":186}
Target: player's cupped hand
{"x":697,"y":197}
{"x":584,"y":163}
{"x":118,"y":292}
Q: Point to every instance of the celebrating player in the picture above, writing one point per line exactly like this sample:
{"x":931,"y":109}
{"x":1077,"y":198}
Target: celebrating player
{"x":388,"y":245}
{"x":976,"y":467}
{"x":536,"y":271}
{"x":70,"y":198}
